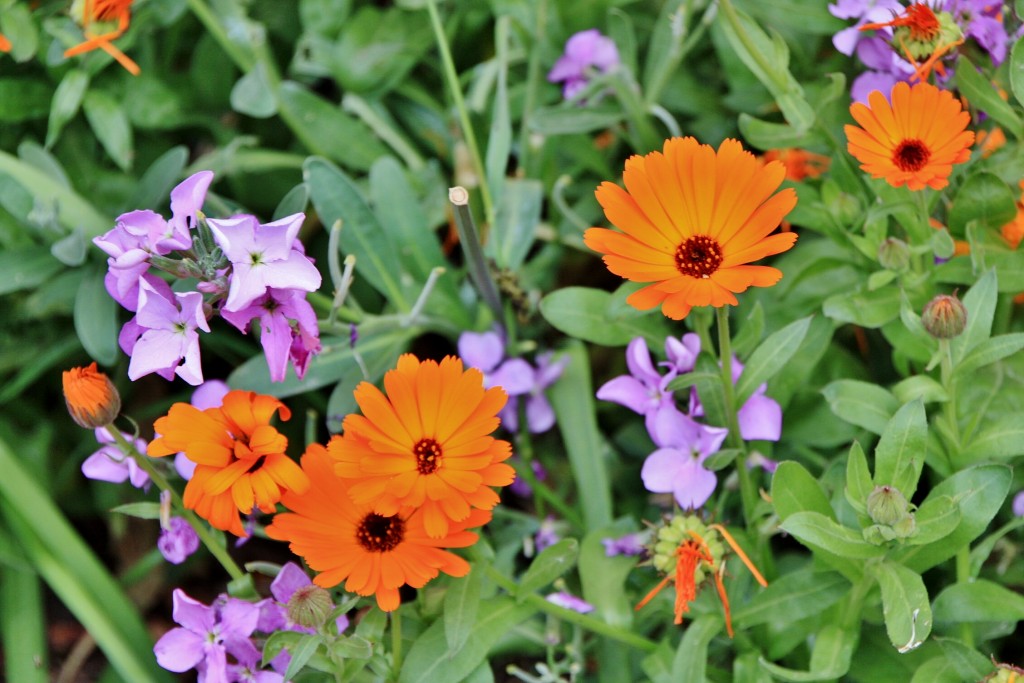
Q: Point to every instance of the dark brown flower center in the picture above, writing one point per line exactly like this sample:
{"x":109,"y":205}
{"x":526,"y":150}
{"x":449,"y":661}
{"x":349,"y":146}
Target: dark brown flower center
{"x":379,"y":534}
{"x":257,"y":465}
{"x":428,"y":455}
{"x":698,"y":256}
{"x":911,"y":155}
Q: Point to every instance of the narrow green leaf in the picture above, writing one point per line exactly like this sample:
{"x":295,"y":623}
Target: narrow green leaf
{"x":549,"y":564}
{"x":818,"y":530}
{"x":988,"y":352}
{"x":870,"y":309}
{"x":142,"y":510}
{"x":1003,"y":438}
{"x":770,"y":357}
{"x":96,"y":319}
{"x":499,"y":141}
{"x":899,"y":456}
{"x":111,"y":127}
{"x":861,"y":403}
{"x":980,"y":600}
{"x":301,"y":653}
{"x":23,"y":626}
{"x":72,"y":210}
{"x":937,"y":518}
{"x":919,"y":387}
{"x":572,"y":397}
{"x":154,"y":188}
{"x":830,"y":658}
{"x":252,"y":94}
{"x":574,"y":120}
{"x":67,"y":99}
{"x":792,"y":597}
{"x":691,"y":658}
{"x":905,"y":607}
{"x":1017,"y":71}
{"x":982,"y":94}
{"x":858,"y":479}
{"x":968,"y":662}
{"x":795,"y":490}
{"x":518,"y":213}
{"x":461,"y":603}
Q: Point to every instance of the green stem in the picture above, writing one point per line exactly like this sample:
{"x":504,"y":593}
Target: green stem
{"x":203,"y":531}
{"x":532,"y":83}
{"x":748,"y":496}
{"x":963,"y":576}
{"x":851,"y":615}
{"x":452,"y":77}
{"x":949,"y":409}
{"x":590,"y":623}
{"x":396,"y":642}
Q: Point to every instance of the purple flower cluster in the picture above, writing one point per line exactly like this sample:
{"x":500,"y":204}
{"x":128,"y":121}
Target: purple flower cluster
{"x":109,"y":463}
{"x":677,"y":466}
{"x":235,"y":266}
{"x":880,"y":52}
{"x":585,"y":52}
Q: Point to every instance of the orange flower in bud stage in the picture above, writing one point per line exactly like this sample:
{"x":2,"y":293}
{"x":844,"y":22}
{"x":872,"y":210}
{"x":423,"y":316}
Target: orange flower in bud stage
{"x":241,"y":461}
{"x":913,"y":142}
{"x":692,"y":219}
{"x":426,"y":444}
{"x":91,"y":398}
{"x":104,"y":11}
{"x":374,"y":554}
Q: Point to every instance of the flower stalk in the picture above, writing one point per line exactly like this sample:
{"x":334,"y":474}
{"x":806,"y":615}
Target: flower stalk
{"x":748,"y":497}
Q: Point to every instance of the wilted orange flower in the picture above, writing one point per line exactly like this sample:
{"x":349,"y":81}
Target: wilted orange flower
{"x":921,"y":35}
{"x":799,"y":163}
{"x":376,"y":553}
{"x":425,"y":444}
{"x":105,"y":11}
{"x":91,"y":397}
{"x":692,"y":219}
{"x":913,"y":142}
{"x":241,"y":461}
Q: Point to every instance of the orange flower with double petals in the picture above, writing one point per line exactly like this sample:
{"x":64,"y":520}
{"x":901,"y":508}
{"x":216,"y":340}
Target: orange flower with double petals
{"x":240,"y":457}
{"x":91,"y":397}
{"x":105,"y":11}
{"x":692,"y":219}
{"x":913,"y":142}
{"x":425,"y":444}
{"x":374,"y":554}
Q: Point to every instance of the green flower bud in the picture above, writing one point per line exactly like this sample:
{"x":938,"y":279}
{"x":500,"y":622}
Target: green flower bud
{"x":944,"y":317}
{"x":886,"y":505}
{"x":894,"y":254}
{"x":310,"y":606}
{"x":1005,"y":673}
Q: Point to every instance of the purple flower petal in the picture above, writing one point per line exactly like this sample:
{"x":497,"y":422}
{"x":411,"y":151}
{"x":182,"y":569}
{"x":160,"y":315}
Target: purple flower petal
{"x":760,"y":418}
{"x":106,"y":464}
{"x":540,"y":416}
{"x":481,"y":350}
{"x":187,"y":200}
{"x":694,"y":486}
{"x":1018,"y":504}
{"x":192,"y":614}
{"x":179,"y":650}
{"x":178,"y":542}
{"x":288,"y":580}
{"x":627,"y":391}
{"x":662,"y":468}
{"x":672,"y":428}
{"x":515,"y":376}
{"x":638,"y":360}
{"x":210,"y":394}
{"x":570,"y":601}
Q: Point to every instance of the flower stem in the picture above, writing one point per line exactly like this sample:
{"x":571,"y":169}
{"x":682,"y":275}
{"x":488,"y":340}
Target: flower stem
{"x":748,"y":496}
{"x":396,"y":642}
{"x":949,"y":409}
{"x":590,"y":623}
{"x":963,"y":576}
{"x":203,"y":531}
{"x":532,"y":83}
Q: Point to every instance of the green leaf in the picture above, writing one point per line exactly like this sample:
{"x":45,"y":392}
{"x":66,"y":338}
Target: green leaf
{"x":499,"y":140}
{"x":427,"y":661}
{"x":968,"y":662}
{"x":67,"y":99}
{"x":23,"y":99}
{"x":582,"y":312}
{"x":377,"y":48}
{"x":792,"y":597}
{"x":858,"y":479}
{"x":750,"y":333}
{"x":574,"y":120}
{"x":708,"y":380}
{"x":26,"y":268}
{"x":691,"y":658}
{"x":572,"y":397}
{"x":142,"y":510}
{"x":603,"y":578}
{"x":870,"y":309}
{"x":111,"y":127}
{"x":899,"y":455}
{"x":818,"y":530}
{"x":830,"y":658}
{"x":17,"y":25}
{"x":75,"y":574}
{"x":979,"y":492}
{"x":795,"y":490}
{"x":301,"y":653}
{"x":908,"y":615}
{"x":979,"y":600}
{"x":1017,"y":71}
{"x":935,"y":519}
{"x":982,"y":94}
{"x":336,"y":197}
{"x":980,"y":302}
{"x":985,"y":198}
{"x":766,"y":135}
{"x":23,"y":626}
{"x":518,"y":213}
{"x":1003,"y":438}
{"x":770,"y":357}
{"x":156,"y":183}
{"x":988,"y":352}
{"x":936,"y":670}
{"x":252,"y":94}
{"x":550,"y":564}
{"x":328,"y":131}
{"x":461,"y":603}
{"x":96,"y":319}
{"x":861,"y":403}
{"x":919,"y":387}
{"x":72,"y":210}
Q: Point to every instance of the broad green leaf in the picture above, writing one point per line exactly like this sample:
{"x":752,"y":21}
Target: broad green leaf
{"x":980,"y":302}
{"x":378,"y":353}
{"x":17,"y":24}
{"x":770,"y":357}
{"x":582,"y":312}
{"x":1000,"y":439}
{"x":1017,"y":70}
{"x":985,"y":198}
{"x":830,"y":658}
{"x":549,"y":564}
{"x":766,"y":135}
{"x":980,"y":92}
{"x":747,"y":669}
{"x":301,"y":653}
{"x":870,"y":309}
{"x":919,"y":387}
{"x":427,"y":661}
{"x":351,"y":647}
{"x":818,"y":530}
{"x":253,"y":95}
{"x":328,"y":131}
{"x":96,"y":319}
{"x":988,"y":352}
{"x":111,"y":127}
{"x":23,"y":626}
{"x":979,"y":492}
{"x":858,"y":479}
{"x":691,"y":658}
{"x":574,"y":120}
{"x":461,"y":605}
{"x":377,"y":48}
{"x":154,"y":188}
{"x":899,"y":455}
{"x":968,"y":662}
{"x":861,"y":403}
{"x":26,"y":268}
{"x":518,"y":213}
{"x":795,"y":490}
{"x":979,"y":600}
{"x":337,"y":197}
{"x":936,"y":670}
{"x":603,"y":578}
{"x":296,"y":200}
{"x":792,"y":597}
{"x":908,"y":615}
{"x":67,"y":99}
{"x":572,"y":398}
{"x":324,"y":16}
{"x":937,"y":517}
{"x":72,"y":210}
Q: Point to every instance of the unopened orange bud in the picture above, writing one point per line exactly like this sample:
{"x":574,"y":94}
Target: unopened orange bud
{"x":944,"y":317}
{"x":91,"y":397}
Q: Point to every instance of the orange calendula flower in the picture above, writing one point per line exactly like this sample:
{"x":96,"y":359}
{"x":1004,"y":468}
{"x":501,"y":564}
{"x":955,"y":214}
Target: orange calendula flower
{"x":425,"y":444}
{"x":688,"y":551}
{"x":241,"y":461}
{"x":91,"y":12}
{"x":374,"y":554}
{"x":913,"y":142}
{"x":800,"y":163}
{"x":692,"y":219}
{"x":91,"y":397}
